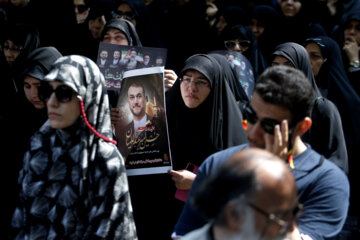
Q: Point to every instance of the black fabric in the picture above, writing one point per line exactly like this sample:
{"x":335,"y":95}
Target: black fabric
{"x":269,"y":18}
{"x":187,"y":31}
{"x":338,"y":35}
{"x":353,"y":149}
{"x":333,"y":78}
{"x":25,"y":37}
{"x":12,"y":116}
{"x":212,"y":126}
{"x":144,"y":22}
{"x":127,"y":28}
{"x":298,"y":56}
{"x":37,"y":65}
{"x":233,"y":15}
{"x":299,"y":27}
{"x":338,"y":31}
{"x":39,"y":62}
{"x":319,"y":12}
{"x":326,"y":135}
{"x":196,"y":133}
{"x":56,"y":23}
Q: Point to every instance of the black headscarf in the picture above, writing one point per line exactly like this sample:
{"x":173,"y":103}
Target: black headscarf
{"x":326,"y":134}
{"x":333,"y":75}
{"x":212,"y":126}
{"x":132,"y":36}
{"x":332,"y":79}
{"x":12,"y":115}
{"x":352,"y":13}
{"x":299,"y":57}
{"x":234,"y":15}
{"x":127,"y":28}
{"x":253,"y":53}
{"x":267,"y":17}
{"x":144,"y":23}
{"x":298,"y":28}
{"x":37,"y":65}
{"x":27,"y":38}
{"x":338,"y":31}
{"x":39,"y":62}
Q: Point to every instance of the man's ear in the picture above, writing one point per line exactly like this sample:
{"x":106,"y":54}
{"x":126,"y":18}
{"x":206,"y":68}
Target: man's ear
{"x":233,"y":215}
{"x":303,"y":126}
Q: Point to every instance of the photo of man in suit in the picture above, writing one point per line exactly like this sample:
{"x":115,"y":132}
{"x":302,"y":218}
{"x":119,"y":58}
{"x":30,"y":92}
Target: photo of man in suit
{"x":116,"y":59}
{"x":144,"y":132}
{"x":137,"y":105}
{"x":103,"y":60}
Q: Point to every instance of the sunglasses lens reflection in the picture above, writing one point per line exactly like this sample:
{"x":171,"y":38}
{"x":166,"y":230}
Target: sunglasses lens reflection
{"x":243,"y":44}
{"x":267,"y":124}
{"x":230,"y":44}
{"x":63,"y":93}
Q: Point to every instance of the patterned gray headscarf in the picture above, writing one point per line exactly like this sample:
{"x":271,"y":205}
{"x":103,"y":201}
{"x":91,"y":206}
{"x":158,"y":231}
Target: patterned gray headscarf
{"x":73,"y":183}
{"x":85,"y":78}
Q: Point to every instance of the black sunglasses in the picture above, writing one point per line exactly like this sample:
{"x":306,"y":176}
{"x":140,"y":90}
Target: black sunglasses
{"x":231,"y":44}
{"x":63,"y":93}
{"x":7,"y":48}
{"x":81,"y":8}
{"x":126,"y":15}
{"x":267,"y":124}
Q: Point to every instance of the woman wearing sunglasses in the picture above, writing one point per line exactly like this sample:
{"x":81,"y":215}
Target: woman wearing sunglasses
{"x":73,"y":181}
{"x":240,"y":38}
{"x":81,"y":11}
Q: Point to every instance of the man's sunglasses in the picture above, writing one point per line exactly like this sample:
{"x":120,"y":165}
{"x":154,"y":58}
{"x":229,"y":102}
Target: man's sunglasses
{"x":81,"y":8}
{"x":267,"y":124}
{"x":63,"y":93}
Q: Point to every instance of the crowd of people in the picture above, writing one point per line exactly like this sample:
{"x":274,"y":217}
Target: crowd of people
{"x":262,"y":102}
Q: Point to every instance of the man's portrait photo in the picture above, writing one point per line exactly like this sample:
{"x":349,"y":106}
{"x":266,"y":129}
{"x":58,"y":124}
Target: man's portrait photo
{"x":142,"y":135}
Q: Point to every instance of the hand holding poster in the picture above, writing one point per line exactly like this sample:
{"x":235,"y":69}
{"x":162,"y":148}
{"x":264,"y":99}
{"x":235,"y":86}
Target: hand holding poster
{"x":142,"y":132}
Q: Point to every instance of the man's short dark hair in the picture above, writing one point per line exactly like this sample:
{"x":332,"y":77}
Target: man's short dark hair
{"x":137,"y":84}
{"x":287,"y":87}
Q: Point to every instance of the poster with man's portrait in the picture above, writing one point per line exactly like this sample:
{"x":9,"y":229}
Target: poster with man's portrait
{"x":113,"y":60}
{"x":142,"y":133}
